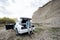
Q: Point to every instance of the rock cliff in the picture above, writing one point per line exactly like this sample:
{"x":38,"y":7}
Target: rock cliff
{"x":48,"y":15}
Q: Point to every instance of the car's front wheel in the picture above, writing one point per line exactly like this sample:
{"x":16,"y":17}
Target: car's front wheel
{"x":17,"y":31}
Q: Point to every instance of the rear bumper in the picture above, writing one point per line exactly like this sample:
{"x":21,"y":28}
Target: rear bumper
{"x":25,"y":30}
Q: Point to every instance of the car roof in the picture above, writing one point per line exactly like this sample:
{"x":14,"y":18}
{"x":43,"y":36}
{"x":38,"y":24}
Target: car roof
{"x":25,"y":18}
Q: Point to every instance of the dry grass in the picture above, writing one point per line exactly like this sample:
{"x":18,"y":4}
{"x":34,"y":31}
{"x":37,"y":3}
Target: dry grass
{"x":38,"y":30}
{"x":1,"y":25}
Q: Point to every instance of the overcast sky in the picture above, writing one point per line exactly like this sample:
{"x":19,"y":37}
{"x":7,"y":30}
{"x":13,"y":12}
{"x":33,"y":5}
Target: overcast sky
{"x":20,"y":8}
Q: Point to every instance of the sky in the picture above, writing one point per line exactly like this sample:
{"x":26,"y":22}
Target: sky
{"x":20,"y":8}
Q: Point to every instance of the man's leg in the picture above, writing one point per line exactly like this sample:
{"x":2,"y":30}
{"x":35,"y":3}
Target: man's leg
{"x":28,"y":30}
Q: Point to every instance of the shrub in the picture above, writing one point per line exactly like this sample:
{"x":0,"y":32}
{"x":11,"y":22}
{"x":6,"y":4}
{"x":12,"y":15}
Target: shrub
{"x":7,"y":20}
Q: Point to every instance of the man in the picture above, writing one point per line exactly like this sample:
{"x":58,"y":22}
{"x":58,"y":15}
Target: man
{"x":28,"y":25}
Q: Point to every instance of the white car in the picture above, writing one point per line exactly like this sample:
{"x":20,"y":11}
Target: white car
{"x":21,"y":28}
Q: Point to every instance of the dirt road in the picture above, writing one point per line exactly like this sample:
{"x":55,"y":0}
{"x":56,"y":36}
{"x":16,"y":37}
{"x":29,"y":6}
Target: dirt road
{"x":39,"y":34}
{"x":11,"y":35}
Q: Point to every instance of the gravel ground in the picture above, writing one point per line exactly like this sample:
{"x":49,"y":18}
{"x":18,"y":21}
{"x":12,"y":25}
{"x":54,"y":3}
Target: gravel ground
{"x":39,"y":34}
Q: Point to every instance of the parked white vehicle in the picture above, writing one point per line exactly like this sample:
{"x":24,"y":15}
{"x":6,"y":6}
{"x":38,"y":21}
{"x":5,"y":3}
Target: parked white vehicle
{"x":23,"y":26}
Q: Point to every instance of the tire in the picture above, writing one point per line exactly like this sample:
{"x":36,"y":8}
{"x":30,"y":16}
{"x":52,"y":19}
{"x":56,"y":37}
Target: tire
{"x":31,"y":32}
{"x":17,"y":31}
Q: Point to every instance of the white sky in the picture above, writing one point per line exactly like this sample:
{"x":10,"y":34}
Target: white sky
{"x":20,"y":8}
